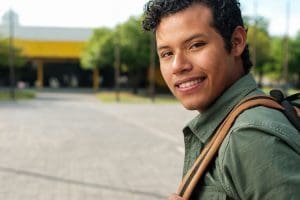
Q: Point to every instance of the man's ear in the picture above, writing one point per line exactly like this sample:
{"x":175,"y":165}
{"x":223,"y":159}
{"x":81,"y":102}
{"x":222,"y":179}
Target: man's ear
{"x":239,"y":40}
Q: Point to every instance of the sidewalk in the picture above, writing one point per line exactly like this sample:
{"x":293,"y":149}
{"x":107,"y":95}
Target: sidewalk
{"x":66,"y":146}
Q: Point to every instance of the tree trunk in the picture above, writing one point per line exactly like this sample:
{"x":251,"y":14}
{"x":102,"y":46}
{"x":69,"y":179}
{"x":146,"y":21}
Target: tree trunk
{"x":260,"y":77}
{"x":298,"y":81}
{"x":134,"y":78}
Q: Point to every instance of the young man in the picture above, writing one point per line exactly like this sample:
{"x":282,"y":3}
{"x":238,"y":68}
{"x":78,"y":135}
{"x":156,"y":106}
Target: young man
{"x":204,"y":60}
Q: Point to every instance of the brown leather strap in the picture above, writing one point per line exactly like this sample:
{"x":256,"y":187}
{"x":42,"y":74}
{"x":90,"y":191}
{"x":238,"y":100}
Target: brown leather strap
{"x":193,"y":176}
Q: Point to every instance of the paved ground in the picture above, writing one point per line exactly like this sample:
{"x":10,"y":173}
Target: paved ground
{"x":66,"y":146}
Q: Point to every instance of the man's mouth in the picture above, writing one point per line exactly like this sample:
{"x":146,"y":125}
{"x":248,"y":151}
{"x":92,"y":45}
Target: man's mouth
{"x":189,"y":84}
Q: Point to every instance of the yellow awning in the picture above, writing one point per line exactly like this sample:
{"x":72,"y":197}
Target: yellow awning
{"x":49,"y":49}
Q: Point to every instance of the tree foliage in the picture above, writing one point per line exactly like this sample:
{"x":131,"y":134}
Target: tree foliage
{"x":135,"y":51}
{"x":274,"y":66}
{"x":294,"y":58}
{"x":270,"y":51}
{"x":135,"y":44}
{"x":134,"y":47}
{"x":259,"y":45}
{"x":98,"y":52}
{"x":18,"y":60}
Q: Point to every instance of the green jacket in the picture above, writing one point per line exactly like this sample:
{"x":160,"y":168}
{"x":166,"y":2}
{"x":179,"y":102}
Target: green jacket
{"x":259,"y":158}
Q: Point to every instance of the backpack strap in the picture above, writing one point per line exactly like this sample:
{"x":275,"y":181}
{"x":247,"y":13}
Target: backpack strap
{"x":291,"y":109}
{"x":193,"y":176}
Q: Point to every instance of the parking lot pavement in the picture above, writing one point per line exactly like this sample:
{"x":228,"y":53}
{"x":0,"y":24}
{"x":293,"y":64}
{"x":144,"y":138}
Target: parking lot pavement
{"x":70,"y":146}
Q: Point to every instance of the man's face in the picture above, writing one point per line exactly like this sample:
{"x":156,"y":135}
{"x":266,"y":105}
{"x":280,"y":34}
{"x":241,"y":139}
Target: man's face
{"x":193,"y":60}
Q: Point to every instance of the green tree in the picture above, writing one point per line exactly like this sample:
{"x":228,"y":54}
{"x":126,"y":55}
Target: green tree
{"x":98,"y":52}
{"x":18,"y":59}
{"x":259,"y":45}
{"x":294,"y":59}
{"x":134,"y":46}
{"x":274,"y":66}
{"x":135,"y":50}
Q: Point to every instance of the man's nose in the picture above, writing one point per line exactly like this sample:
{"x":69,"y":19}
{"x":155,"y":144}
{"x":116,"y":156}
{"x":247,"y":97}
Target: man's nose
{"x":181,"y":63}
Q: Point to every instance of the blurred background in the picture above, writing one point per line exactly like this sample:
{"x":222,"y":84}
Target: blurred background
{"x":84,"y":111}
{"x":58,"y":44}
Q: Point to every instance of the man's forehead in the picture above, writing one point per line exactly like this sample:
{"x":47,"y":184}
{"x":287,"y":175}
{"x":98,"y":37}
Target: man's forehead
{"x":197,"y":10}
{"x":197,"y":18}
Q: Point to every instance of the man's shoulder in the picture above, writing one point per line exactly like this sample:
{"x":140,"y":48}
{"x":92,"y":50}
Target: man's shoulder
{"x":261,"y":143}
{"x":260,"y":128}
{"x":268,"y":120}
{"x":260,"y":125}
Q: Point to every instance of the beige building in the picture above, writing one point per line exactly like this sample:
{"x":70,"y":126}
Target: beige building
{"x":53,"y":52}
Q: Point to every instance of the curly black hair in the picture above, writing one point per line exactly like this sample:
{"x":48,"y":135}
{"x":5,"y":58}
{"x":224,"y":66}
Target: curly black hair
{"x":226,"y":17}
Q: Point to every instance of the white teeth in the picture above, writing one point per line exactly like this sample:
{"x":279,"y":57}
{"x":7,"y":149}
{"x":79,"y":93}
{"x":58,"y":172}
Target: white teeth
{"x":190,"y":83}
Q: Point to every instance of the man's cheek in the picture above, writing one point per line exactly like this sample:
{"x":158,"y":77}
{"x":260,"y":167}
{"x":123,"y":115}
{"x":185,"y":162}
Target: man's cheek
{"x":165,"y":76}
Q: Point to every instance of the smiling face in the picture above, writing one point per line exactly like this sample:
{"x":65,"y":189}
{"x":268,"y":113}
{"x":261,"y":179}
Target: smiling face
{"x":193,"y":59}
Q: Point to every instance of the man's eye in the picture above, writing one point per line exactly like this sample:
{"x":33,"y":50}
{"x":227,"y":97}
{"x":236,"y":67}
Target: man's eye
{"x":166,"y":54}
{"x":197,"y":45}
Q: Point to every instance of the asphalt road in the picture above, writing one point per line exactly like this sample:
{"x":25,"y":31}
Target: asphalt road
{"x":70,"y":146}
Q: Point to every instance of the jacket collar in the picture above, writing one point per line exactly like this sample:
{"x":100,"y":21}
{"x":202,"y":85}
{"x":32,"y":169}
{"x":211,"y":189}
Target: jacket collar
{"x":205,"y":124}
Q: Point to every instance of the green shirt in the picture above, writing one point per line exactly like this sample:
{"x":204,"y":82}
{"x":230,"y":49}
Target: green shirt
{"x":259,"y":158}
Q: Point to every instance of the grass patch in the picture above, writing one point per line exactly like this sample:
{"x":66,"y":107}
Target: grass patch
{"x":127,"y":97}
{"x":19,"y":95}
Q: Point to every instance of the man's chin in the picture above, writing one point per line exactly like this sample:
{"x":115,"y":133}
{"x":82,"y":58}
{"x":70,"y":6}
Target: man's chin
{"x":190,"y":106}
{"x":193,"y":104}
{"x":192,"y":101}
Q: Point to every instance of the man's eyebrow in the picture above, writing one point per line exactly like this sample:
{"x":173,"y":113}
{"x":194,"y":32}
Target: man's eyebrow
{"x":162,"y":47}
{"x":195,"y":36}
